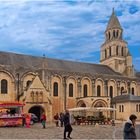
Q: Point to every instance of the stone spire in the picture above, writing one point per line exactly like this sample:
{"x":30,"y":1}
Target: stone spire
{"x":113,"y":22}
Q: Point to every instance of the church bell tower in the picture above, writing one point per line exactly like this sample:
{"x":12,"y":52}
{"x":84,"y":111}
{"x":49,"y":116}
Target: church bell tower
{"x":114,"y":51}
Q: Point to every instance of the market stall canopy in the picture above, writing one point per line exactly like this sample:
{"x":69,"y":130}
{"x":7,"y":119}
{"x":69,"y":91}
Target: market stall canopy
{"x":92,"y":109}
{"x":106,"y":109}
{"x":11,"y":104}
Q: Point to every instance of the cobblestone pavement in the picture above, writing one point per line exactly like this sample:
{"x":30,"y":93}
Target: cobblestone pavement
{"x":52,"y":132}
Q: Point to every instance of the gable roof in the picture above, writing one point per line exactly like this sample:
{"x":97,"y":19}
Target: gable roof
{"x":20,"y":61}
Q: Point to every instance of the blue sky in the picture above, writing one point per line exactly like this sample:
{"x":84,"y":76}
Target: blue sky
{"x":66,"y":29}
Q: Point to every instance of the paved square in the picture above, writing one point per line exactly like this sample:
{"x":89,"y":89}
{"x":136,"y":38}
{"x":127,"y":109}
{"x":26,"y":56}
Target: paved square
{"x":53,"y":132}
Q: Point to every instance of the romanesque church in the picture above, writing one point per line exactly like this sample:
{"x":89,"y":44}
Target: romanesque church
{"x":51,"y":86}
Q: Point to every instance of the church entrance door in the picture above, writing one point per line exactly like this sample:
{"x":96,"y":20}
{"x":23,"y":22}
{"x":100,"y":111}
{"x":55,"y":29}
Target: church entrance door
{"x":37,"y":110}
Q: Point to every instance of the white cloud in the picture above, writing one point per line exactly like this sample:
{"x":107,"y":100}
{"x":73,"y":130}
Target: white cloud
{"x":53,"y":26}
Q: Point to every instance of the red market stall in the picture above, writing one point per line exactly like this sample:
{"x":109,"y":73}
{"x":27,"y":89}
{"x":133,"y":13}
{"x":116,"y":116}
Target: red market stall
{"x":11,"y":113}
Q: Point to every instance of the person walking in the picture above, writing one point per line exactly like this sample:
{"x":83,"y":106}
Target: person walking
{"x":67,"y":125}
{"x":43,"y":120}
{"x":56,"y":119}
{"x":61,"y":118}
{"x":129,"y":128}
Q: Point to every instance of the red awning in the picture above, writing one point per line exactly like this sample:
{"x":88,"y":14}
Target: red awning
{"x":13,"y":104}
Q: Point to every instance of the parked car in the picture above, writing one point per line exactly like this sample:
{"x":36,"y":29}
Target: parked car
{"x":34,"y":118}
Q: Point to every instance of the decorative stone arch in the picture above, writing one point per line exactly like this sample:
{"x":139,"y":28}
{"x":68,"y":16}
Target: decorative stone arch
{"x":71,"y":77}
{"x":9,"y":74}
{"x":72,"y":80}
{"x":82,"y":103}
{"x":26,"y":74}
{"x":57,"y":75}
{"x":99,"y":103}
{"x":123,"y":87}
{"x":133,"y":88}
{"x":86,"y":82}
{"x":99,"y":82}
{"x":25,"y":77}
{"x":112,"y":83}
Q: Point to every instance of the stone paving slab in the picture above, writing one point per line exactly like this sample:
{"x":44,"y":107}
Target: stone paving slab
{"x":53,"y":132}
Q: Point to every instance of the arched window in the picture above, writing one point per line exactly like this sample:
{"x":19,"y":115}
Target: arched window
{"x":119,"y":108}
{"x":4,"y":86}
{"x":122,"y":90}
{"x":122,"y":108}
{"x":85,"y":91}
{"x":28,"y":83}
{"x":133,"y":91}
{"x":122,"y":51}
{"x":105,"y":53}
{"x":117,"y":50}
{"x":109,"y":35}
{"x":117,"y":33}
{"x":71,"y":90}
{"x":55,"y":89}
{"x":110,"y":51}
{"x":98,"y":91}
{"x":111,"y":92}
{"x":114,"y":33}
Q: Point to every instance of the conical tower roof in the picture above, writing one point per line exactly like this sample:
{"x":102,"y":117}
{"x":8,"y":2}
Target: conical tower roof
{"x":113,"y":22}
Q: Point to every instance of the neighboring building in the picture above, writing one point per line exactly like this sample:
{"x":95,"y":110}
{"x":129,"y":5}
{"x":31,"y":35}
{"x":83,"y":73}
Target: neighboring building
{"x":52,"y":85}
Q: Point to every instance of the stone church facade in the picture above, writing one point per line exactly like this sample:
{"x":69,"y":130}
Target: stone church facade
{"x":51,"y":85}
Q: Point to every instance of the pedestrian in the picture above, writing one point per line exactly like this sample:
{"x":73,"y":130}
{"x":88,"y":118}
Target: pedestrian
{"x":129,"y":128}
{"x":67,"y":125}
{"x":61,"y":118}
{"x":23,"y":120}
{"x":28,"y":119}
{"x":43,"y":120}
{"x":56,"y":119}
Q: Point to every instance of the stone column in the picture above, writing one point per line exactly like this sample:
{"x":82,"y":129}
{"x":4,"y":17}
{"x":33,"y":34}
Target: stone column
{"x":106,"y":88}
{"x":79,"y":87}
{"x":118,"y":88}
{"x":128,"y":85}
{"x":65,"y":92}
{"x":93,"y":87}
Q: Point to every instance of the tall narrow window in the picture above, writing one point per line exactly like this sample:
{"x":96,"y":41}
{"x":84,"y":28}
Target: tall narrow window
{"x":4,"y":86}
{"x":71,"y":90}
{"x":55,"y":89}
{"x":122,"y":108}
{"x":139,"y":107}
{"x":122,"y":90}
{"x":28,"y":83}
{"x":114,"y":33}
{"x":109,"y":35}
{"x":105,"y":53}
{"x":111,"y":92}
{"x":98,"y":91}
{"x":122,"y":51}
{"x":133,"y":91}
{"x":85,"y":90}
{"x":119,"y":108}
{"x":110,"y":51}
{"x":117,"y":50}
{"x":117,"y":34}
